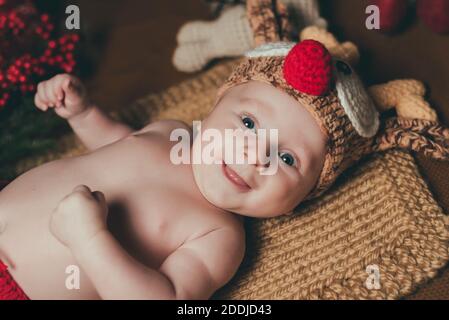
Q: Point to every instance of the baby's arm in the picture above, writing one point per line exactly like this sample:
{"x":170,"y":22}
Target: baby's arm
{"x":67,"y":95}
{"x":194,"y":271}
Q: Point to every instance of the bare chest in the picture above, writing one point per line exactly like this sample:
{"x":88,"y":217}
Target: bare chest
{"x":156,"y":221}
{"x":153,"y":209}
{"x":154,"y":205}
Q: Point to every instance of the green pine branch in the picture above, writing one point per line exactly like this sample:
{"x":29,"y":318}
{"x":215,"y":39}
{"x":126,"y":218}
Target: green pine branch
{"x":24,"y":132}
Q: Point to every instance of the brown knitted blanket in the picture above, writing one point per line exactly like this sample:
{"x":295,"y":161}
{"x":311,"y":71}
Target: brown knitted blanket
{"x":378,"y":233}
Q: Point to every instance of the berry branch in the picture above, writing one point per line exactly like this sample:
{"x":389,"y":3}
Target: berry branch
{"x":30,"y":51}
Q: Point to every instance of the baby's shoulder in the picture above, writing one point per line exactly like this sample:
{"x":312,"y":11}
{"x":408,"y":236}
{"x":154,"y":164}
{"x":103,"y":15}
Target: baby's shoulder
{"x":164,"y":127}
{"x":221,"y":249}
{"x":228,"y":223}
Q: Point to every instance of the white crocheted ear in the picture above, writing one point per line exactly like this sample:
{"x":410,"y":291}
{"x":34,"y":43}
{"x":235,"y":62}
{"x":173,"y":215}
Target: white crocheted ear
{"x":355,"y":100}
{"x":273,"y":49}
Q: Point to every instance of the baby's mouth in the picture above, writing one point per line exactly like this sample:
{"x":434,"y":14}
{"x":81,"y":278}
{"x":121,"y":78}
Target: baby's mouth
{"x":235,"y":179}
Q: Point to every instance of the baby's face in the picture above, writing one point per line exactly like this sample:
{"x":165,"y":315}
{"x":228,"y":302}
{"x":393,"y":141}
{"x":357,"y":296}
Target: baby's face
{"x":241,"y":188}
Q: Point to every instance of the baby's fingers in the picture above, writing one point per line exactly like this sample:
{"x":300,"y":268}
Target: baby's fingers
{"x":46,"y":94}
{"x":58,"y":93}
{"x":40,"y":104}
{"x":50,"y":89}
{"x":72,"y":89}
{"x":43,"y":99}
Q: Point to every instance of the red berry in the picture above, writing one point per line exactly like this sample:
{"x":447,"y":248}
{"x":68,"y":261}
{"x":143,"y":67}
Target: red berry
{"x":435,"y":14}
{"x":392,"y":14}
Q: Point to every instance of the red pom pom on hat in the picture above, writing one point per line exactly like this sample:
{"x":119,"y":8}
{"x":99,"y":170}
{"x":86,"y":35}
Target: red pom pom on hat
{"x":308,"y":68}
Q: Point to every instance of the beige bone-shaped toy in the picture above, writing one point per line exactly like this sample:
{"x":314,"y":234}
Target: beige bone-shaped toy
{"x":231,"y":34}
{"x":406,"y":96}
{"x":201,"y":41}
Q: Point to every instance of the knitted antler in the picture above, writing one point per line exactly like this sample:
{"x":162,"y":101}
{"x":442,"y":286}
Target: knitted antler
{"x":427,"y":137}
{"x":268,"y":20}
{"x":304,"y":13}
{"x":416,"y":128}
{"x":347,"y":51}
{"x":240,"y":28}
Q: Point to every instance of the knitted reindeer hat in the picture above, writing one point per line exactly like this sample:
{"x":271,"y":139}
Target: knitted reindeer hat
{"x":327,"y":86}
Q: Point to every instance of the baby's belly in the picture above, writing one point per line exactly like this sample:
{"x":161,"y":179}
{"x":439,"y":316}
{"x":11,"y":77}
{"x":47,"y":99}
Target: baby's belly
{"x":37,"y":260}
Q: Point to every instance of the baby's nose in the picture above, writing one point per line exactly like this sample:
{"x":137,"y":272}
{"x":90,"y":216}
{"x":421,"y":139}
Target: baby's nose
{"x":256,"y":155}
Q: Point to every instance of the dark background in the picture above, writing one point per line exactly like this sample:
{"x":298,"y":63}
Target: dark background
{"x":130,"y":46}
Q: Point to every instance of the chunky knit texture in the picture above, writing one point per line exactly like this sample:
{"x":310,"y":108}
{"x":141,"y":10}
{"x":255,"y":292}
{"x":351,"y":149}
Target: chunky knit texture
{"x":304,"y":13}
{"x":268,"y":23}
{"x":308,"y":68}
{"x":380,"y":213}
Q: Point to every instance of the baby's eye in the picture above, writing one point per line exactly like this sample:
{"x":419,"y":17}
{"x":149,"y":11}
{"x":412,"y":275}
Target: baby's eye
{"x":248,"y":122}
{"x":287,"y":158}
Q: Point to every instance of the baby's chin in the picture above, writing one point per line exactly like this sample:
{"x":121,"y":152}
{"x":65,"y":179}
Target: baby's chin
{"x":221,"y":194}
{"x":253,"y":213}
{"x":242,"y":207}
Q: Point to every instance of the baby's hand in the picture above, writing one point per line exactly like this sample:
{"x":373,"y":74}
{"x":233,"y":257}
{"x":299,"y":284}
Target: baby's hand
{"x":63,"y":92}
{"x":79,"y":217}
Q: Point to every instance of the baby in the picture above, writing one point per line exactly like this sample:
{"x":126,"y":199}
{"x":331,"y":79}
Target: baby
{"x":139,"y":226}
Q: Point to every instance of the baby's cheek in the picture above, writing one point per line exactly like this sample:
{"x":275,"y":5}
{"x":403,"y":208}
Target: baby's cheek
{"x":282,"y":188}
{"x":298,"y":189}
